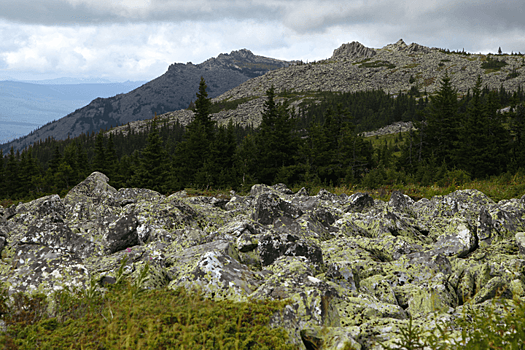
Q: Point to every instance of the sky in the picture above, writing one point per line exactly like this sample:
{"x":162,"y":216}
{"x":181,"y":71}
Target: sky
{"x":120,"y":40}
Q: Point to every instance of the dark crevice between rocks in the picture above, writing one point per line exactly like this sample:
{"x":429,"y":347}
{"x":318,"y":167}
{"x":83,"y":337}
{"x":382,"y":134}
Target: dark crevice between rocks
{"x":379,"y":255}
{"x":424,"y":232}
{"x":310,"y":341}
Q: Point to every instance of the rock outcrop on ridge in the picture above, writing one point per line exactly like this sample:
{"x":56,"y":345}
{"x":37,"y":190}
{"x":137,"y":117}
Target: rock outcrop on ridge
{"x":354,"y":268}
{"x":354,"y":67}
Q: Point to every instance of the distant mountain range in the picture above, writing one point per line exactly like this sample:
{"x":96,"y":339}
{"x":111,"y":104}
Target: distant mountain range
{"x":244,"y":77}
{"x":25,"y":106}
{"x":172,"y":91}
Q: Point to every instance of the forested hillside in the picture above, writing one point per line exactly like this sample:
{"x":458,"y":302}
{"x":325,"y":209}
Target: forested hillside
{"x":173,"y":90}
{"x":456,"y":139}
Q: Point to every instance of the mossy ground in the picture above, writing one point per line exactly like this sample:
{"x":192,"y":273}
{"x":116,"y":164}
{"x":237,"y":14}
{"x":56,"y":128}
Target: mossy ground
{"x":127,"y":317}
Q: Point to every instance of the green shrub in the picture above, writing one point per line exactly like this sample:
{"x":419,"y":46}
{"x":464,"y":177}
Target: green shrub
{"x":493,"y":64}
{"x":501,"y":326}
{"x":125,"y":316}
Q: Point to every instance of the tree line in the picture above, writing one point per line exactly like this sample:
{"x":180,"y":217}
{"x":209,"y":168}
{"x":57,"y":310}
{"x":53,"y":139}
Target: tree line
{"x":319,"y":145}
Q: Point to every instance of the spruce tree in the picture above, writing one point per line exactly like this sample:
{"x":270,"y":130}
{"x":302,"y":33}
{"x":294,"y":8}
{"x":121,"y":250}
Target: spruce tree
{"x":442,"y":124}
{"x":12,"y":175}
{"x":517,"y":141}
{"x":83,"y":165}
{"x":220,"y":163}
{"x":30,"y":175}
{"x":100,"y":160}
{"x":202,"y":110}
{"x":50,"y":180}
{"x":194,"y":151}
{"x":473,"y":142}
{"x":247,"y":162}
{"x":498,"y":137}
{"x":2,"y":175}
{"x":111,"y":157}
{"x":153,"y":171}
{"x":276,"y":143}
{"x":66,"y":174}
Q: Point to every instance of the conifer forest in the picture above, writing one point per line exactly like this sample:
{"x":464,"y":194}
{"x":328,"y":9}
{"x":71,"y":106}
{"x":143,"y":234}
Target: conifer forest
{"x":454,"y":137}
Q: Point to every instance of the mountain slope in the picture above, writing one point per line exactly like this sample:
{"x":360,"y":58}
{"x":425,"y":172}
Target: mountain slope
{"x":25,"y":106}
{"x":354,"y":67}
{"x":173,"y":90}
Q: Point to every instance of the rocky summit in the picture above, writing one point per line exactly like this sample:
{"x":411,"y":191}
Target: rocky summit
{"x":353,"y":67}
{"x":354,"y":269}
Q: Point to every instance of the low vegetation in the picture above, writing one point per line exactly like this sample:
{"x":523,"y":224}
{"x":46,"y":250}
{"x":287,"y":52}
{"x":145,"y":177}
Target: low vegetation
{"x":125,"y":316}
{"x":492,"y":64}
{"x":501,"y":326}
{"x":378,"y":64}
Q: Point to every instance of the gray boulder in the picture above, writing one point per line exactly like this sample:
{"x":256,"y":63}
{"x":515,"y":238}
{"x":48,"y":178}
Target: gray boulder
{"x":354,"y":269}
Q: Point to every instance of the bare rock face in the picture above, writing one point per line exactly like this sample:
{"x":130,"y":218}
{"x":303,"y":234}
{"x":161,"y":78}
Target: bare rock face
{"x":355,"y":269}
{"x":352,"y":51}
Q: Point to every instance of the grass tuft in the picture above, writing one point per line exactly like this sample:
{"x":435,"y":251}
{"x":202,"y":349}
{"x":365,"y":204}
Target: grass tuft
{"x":125,"y":316}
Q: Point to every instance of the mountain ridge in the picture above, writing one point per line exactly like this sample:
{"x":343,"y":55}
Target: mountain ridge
{"x":238,"y":76}
{"x":354,"y":67}
{"x":171,"y":91}
{"x":26,"y":106}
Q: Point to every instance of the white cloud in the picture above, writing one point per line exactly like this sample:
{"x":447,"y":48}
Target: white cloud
{"x":138,"y":39}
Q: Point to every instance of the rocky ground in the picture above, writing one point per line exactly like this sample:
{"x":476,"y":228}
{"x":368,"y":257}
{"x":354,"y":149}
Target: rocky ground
{"x":354,"y":268}
{"x":395,"y":128}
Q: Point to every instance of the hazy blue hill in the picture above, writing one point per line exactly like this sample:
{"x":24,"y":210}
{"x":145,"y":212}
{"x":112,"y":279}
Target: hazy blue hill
{"x":26,"y":106}
{"x":174,"y":90}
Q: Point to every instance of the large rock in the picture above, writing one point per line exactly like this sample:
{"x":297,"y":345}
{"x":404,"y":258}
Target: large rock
{"x":353,"y":50}
{"x":354,"y":269}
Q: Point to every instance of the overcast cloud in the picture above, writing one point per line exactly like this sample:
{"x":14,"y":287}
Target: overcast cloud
{"x":138,"y":39}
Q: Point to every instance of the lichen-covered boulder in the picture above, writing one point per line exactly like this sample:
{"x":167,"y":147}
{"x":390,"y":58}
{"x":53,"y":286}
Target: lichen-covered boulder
{"x":122,"y":234}
{"x":271,"y":247}
{"x":456,"y":238}
{"x":400,"y":202}
{"x":312,"y":300}
{"x":35,"y":267}
{"x":56,"y":234}
{"x":359,"y":201}
{"x":219,"y":276}
{"x":3,"y":239}
{"x":95,"y":187}
{"x":269,"y":207}
{"x":520,"y":241}
{"x":352,"y":269}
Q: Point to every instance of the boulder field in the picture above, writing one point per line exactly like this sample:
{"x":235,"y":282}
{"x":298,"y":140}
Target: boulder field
{"x":354,"y":269}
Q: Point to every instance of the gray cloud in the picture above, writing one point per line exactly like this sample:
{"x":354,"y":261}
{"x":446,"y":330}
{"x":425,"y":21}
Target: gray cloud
{"x":79,"y":12}
{"x":138,"y":39}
